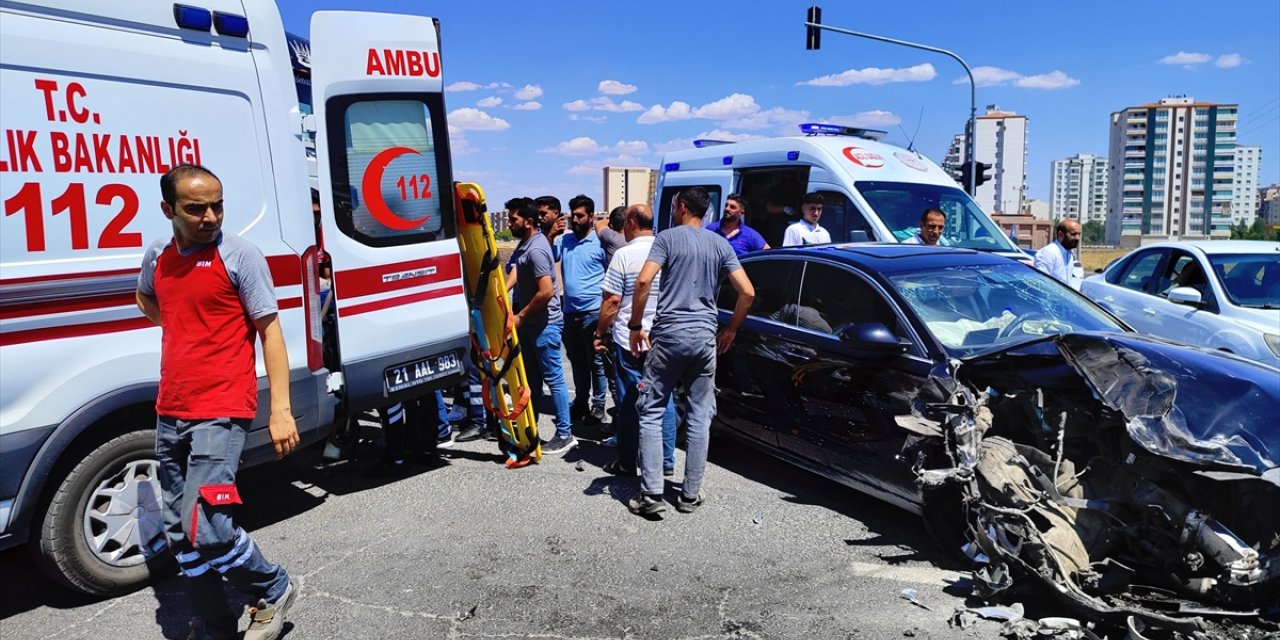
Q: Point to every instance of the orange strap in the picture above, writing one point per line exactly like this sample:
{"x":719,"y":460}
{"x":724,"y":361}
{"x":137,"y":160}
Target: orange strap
{"x":522,"y":400}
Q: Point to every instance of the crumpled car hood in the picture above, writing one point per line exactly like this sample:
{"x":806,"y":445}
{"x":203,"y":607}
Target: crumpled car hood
{"x":1185,"y":404}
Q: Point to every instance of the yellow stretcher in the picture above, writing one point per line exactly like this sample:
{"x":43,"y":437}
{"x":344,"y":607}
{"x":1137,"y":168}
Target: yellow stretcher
{"x":494,"y":347}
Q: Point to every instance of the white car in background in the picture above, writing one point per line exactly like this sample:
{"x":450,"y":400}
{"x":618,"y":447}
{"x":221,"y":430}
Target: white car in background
{"x":1219,"y":294}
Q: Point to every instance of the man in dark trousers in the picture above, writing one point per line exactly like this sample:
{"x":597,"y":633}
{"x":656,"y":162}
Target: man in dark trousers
{"x":692,"y":261}
{"x":213,"y":297}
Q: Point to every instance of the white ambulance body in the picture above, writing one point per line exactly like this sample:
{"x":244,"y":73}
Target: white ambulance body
{"x":99,"y":100}
{"x":872,"y":191}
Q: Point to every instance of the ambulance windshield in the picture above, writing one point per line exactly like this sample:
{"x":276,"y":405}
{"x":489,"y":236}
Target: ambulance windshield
{"x":900,"y":204}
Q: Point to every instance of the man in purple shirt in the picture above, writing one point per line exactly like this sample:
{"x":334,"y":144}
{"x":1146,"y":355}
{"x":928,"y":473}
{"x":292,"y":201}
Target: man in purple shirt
{"x":730,"y":226}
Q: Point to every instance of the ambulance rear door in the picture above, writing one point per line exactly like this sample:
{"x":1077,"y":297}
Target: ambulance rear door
{"x":385,"y":182}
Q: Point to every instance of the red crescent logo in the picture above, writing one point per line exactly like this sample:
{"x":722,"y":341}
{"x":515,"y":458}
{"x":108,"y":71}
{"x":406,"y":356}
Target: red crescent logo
{"x":371,"y":185}
{"x":864,"y":157}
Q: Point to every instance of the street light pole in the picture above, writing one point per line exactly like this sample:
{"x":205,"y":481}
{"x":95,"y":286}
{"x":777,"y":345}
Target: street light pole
{"x":973,"y":91}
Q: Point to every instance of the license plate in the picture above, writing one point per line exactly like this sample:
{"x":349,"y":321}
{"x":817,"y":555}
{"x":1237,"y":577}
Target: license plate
{"x":412,"y":374}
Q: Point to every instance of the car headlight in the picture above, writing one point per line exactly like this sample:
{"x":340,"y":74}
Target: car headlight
{"x":1273,"y":341}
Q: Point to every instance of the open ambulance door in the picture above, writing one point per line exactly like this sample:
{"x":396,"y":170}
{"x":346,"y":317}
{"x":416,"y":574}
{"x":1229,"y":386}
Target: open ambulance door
{"x":385,"y":182}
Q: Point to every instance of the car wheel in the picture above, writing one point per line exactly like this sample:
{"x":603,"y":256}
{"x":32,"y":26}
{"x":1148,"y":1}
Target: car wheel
{"x":103,"y":532}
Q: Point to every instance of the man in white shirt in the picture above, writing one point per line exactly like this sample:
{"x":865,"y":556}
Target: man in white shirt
{"x":1056,"y":258}
{"x":807,"y":231}
{"x":615,"y":314}
{"x":932,"y":223}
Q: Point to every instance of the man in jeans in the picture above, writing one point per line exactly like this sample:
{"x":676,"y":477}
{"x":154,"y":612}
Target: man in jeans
{"x":691,"y":261}
{"x":615,"y":314}
{"x":582,"y":263}
{"x":539,"y":323}
{"x":213,"y":298}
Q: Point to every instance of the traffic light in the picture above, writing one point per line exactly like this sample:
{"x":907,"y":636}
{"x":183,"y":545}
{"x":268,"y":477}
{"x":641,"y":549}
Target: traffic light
{"x":813,"y":35}
{"x":982,"y":176}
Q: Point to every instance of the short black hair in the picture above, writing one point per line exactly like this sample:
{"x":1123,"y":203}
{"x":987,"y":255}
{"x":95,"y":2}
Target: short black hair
{"x":617,"y":217}
{"x":695,"y":200}
{"x":169,"y":181}
{"x":547,"y":201}
{"x":924,"y":217}
{"x":737,"y":197}
{"x":812,"y":197}
{"x":518,"y":202}
{"x":581,"y":200}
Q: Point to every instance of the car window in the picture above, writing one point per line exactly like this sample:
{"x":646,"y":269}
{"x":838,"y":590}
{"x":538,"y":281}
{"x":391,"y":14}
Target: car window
{"x":1250,"y":280}
{"x":842,"y":218}
{"x":1140,"y":274}
{"x":1183,"y":270}
{"x":832,"y":298}
{"x":775,"y":289}
{"x":971,"y":308}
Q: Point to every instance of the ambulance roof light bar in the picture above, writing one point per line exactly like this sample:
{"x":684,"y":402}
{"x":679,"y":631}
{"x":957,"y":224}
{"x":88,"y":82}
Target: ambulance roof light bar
{"x":819,"y":128}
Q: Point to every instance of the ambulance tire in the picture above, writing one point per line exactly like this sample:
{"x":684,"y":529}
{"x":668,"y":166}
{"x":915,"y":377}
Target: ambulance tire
{"x":78,"y":549}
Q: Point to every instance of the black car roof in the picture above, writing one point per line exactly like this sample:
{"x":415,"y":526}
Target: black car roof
{"x":890,"y":257}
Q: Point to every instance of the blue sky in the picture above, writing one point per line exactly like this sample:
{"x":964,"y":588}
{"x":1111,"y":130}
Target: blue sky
{"x":543,"y":94}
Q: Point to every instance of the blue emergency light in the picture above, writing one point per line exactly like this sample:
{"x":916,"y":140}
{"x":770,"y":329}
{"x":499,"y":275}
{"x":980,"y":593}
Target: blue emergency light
{"x":671,"y":166}
{"x":229,"y":24}
{"x":823,"y":129}
{"x":195,"y":18}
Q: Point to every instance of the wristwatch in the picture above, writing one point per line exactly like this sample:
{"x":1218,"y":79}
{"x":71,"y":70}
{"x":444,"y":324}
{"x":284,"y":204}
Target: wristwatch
{"x":635,"y":327}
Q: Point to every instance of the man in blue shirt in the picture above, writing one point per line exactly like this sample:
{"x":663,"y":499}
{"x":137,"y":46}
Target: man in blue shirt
{"x":583,"y":266}
{"x":731,"y":227}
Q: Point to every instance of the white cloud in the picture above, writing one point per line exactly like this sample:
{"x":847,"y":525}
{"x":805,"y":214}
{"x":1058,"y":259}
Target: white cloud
{"x":784,"y":119}
{"x":657,"y":113}
{"x":491,"y":101}
{"x":585,"y":169}
{"x":1053,"y":80}
{"x":603,"y":103}
{"x":528,"y":92}
{"x":874,"y":75}
{"x":469,"y":119}
{"x":1228,"y":60}
{"x":996,"y":77}
{"x":990,"y":76}
{"x":615,"y":88}
{"x":732,"y":106}
{"x":532,"y":105}
{"x":681,"y":144}
{"x":624,"y":160}
{"x":867,"y":119}
{"x":738,"y":110}
{"x":1185,"y":58}
{"x":631,"y":147}
{"x":580,"y":146}
{"x":586,"y":118}
{"x":464,"y":85}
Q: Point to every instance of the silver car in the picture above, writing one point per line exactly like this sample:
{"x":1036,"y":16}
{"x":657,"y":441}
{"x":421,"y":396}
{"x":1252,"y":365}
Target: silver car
{"x":1221,"y":294}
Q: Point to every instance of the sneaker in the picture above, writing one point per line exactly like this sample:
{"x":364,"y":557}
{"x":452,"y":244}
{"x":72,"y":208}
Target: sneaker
{"x":470,"y":434}
{"x":266,"y":621}
{"x":445,"y":442}
{"x":611,"y":441}
{"x":689,"y":505}
{"x":616,"y":468}
{"x":645,"y":505}
{"x":597,"y":414}
{"x":559,"y":445}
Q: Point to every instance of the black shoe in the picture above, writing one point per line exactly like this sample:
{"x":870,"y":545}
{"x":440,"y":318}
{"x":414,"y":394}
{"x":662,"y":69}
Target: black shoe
{"x":597,"y":414}
{"x":689,"y":505}
{"x":668,"y":471}
{"x":646,"y":505}
{"x":470,"y":434}
{"x":616,"y":468}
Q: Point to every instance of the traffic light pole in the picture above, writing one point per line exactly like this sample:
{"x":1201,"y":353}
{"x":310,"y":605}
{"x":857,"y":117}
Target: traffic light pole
{"x":973,"y":91}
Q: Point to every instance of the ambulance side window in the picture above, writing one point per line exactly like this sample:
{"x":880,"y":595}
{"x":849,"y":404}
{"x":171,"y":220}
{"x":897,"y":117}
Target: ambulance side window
{"x":392,"y":184}
{"x":843,"y":219}
{"x":662,"y":220}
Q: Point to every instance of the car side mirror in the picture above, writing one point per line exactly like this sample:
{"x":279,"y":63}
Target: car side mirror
{"x":858,"y":235}
{"x":874,"y":338}
{"x":1185,"y":295}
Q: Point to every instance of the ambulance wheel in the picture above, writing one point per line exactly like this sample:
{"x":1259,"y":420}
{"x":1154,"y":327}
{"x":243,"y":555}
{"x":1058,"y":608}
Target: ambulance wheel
{"x":103,"y":532}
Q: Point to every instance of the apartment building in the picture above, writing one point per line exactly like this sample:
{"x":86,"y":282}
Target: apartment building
{"x":1000,"y":139}
{"x":1244,"y":200}
{"x":1079,"y":188}
{"x":628,"y":185}
{"x":1171,"y":171}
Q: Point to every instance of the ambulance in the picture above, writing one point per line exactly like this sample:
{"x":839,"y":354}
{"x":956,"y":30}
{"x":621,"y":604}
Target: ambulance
{"x":99,"y":100}
{"x":872,"y":191}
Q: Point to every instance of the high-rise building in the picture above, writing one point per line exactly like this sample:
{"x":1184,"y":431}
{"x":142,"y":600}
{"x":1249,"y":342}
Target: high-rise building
{"x":1000,"y":139}
{"x":1079,"y":188}
{"x":1244,"y":200}
{"x":1171,"y":172}
{"x":628,"y":185}
{"x":1270,"y":209}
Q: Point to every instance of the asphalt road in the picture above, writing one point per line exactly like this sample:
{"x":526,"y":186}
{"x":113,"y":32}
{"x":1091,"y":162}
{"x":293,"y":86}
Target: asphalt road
{"x":469,"y":549}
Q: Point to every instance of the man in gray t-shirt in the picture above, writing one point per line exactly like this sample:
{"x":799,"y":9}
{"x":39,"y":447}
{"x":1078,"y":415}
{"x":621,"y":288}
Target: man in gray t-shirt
{"x":539,"y":324}
{"x":683,"y":350}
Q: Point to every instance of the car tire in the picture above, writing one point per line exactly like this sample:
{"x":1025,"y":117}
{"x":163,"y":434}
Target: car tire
{"x":103,"y":531}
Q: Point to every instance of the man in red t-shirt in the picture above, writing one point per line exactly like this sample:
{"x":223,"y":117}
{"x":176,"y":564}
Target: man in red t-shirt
{"x":213,"y":296}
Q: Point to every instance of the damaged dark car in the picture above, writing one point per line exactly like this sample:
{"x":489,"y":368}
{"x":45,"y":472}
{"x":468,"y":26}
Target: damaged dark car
{"x":1134,"y":480}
